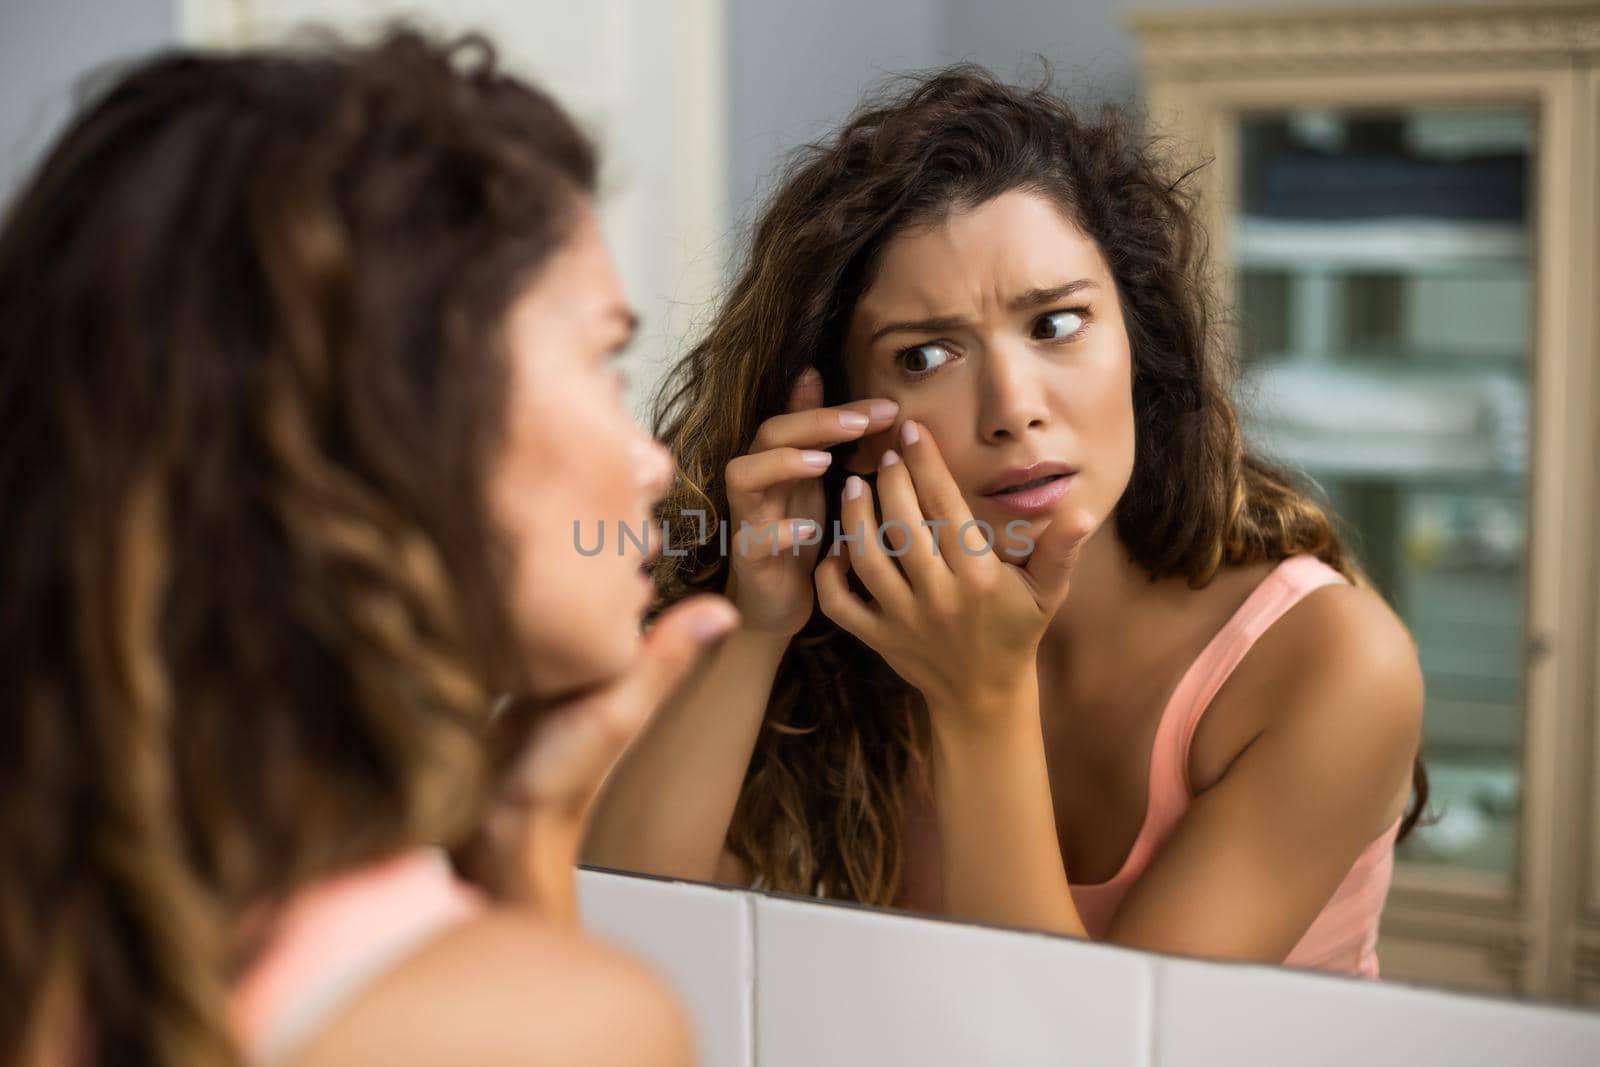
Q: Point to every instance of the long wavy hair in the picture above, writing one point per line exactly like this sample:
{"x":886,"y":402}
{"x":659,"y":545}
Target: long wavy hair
{"x":822,"y":803}
{"x":252,"y":380}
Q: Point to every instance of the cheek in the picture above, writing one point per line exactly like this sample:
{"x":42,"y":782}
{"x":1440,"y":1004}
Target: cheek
{"x":575,"y":609}
{"x":539,"y":489}
{"x":576,"y":458}
{"x":946,"y":416}
{"x":523,"y":502}
{"x":1113,"y":420}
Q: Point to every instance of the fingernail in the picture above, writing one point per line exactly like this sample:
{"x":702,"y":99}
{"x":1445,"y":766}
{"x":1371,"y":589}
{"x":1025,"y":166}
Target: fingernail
{"x":853,"y":487}
{"x":710,"y":625}
{"x":909,"y":434}
{"x":810,"y":375}
{"x":853,"y":420}
{"x":890,"y":458}
{"x":816,"y":459}
{"x":883,"y":409}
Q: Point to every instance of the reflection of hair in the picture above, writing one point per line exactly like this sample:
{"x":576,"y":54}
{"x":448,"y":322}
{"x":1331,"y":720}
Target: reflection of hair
{"x":823,"y":799}
{"x":251,"y":383}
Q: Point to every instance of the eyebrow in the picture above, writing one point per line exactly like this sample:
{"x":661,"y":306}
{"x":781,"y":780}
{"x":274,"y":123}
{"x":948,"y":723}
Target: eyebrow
{"x":1021,"y":302}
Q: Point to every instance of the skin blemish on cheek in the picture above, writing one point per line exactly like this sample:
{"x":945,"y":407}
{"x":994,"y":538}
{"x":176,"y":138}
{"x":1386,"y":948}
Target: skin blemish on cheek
{"x":864,"y":455}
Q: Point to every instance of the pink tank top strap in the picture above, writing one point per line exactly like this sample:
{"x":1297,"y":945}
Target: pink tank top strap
{"x":1170,"y":791}
{"x":333,"y":938}
{"x":1343,"y":936}
{"x":1288,"y":583}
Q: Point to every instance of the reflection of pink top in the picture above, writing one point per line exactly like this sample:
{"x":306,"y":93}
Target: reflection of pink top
{"x":1344,"y":935}
{"x":335,"y":937}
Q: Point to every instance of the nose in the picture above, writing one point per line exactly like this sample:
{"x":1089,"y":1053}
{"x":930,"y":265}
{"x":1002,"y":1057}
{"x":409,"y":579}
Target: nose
{"x":1013,"y":400}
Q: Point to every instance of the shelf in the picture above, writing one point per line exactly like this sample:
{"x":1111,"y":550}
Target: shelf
{"x":1397,"y":244}
{"x":1399,"y":358}
{"x":1400,"y":424}
{"x":1381,"y":461}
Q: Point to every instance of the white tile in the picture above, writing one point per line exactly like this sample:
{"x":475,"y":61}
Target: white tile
{"x":838,"y":985}
{"x":1230,"y":1014}
{"x":699,"y":936}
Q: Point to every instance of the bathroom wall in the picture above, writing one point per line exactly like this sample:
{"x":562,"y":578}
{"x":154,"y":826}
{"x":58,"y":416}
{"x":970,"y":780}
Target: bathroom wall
{"x":645,"y":79}
{"x":795,"y":70}
{"x":46,"y":46}
{"x":772,"y":981}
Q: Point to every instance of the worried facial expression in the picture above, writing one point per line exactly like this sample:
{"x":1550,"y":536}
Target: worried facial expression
{"x":1000,"y":330}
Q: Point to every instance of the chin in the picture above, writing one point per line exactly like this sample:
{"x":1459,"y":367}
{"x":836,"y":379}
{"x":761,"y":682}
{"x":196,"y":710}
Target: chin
{"x":616,"y":653}
{"x":585,"y":656}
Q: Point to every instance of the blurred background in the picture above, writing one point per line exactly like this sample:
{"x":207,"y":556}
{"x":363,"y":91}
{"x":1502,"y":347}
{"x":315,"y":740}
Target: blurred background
{"x":1403,"y":202}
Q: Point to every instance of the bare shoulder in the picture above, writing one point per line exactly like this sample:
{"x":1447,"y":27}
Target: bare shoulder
{"x":509,"y":988}
{"x":731,"y":870}
{"x":1340,"y":661}
{"x":1337,"y":678}
{"x":1345,"y":632}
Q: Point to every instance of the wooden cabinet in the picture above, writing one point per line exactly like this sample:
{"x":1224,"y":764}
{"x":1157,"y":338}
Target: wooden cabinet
{"x":1404,"y":213}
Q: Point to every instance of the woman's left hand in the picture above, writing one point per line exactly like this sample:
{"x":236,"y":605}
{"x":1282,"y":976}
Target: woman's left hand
{"x":960,"y":624}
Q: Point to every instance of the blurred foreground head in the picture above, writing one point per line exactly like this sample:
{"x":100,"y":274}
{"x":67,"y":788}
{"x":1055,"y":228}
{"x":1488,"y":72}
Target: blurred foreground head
{"x":253,"y":382}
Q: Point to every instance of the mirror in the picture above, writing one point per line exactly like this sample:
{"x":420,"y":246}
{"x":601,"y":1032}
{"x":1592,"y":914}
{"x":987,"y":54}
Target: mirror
{"x":1388,"y":247}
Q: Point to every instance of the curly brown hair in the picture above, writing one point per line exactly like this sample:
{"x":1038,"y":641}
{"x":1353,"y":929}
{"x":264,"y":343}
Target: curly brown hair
{"x":822,"y":804}
{"x":251,"y":383}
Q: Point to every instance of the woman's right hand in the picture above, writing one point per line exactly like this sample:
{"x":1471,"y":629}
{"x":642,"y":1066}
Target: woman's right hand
{"x":549,"y":758}
{"x":777,"y":486}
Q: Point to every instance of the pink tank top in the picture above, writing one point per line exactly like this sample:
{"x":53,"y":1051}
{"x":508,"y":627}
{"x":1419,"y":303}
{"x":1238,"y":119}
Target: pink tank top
{"x":1343,"y":937}
{"x":335,"y":937}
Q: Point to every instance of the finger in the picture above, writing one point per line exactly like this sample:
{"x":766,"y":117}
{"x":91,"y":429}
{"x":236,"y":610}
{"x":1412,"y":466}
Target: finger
{"x":819,"y":427}
{"x":575,"y":745}
{"x":938,"y":495}
{"x":669,"y":651}
{"x":876,"y":567}
{"x":840,"y":603}
{"x":570,"y":751}
{"x":792,"y":536}
{"x":905,"y":529}
{"x":1056,"y":554}
{"x":750,"y":476}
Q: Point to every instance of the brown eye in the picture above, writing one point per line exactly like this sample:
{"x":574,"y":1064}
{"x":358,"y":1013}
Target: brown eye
{"x":1059,"y":324}
{"x":923,"y":359}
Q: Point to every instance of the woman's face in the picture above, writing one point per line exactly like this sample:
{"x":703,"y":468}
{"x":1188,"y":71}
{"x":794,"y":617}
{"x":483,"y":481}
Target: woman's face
{"x":574,"y":455}
{"x":1000,"y":330}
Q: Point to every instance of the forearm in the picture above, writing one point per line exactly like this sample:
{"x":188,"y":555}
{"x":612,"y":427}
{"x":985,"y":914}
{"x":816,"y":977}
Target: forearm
{"x":997,"y":831}
{"x":666,"y":806}
{"x":523,"y":856}
{"x":549,"y":883}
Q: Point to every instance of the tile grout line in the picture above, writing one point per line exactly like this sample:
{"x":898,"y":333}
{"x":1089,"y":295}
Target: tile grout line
{"x":1158,"y":974}
{"x":751,"y":1032}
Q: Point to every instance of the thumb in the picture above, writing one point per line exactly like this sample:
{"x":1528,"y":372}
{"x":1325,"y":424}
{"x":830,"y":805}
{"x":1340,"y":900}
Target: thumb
{"x":576,"y":744}
{"x":1056,"y":554}
{"x":673,"y":645}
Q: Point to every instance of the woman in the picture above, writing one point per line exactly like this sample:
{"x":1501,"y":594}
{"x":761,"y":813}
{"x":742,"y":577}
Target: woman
{"x":305,"y":373}
{"x":989,"y":311}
